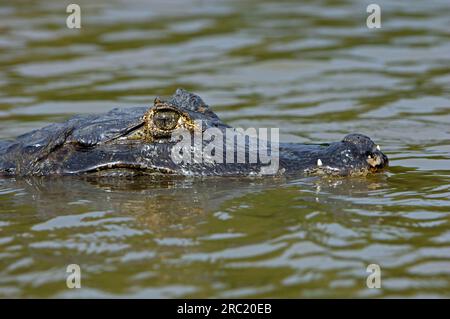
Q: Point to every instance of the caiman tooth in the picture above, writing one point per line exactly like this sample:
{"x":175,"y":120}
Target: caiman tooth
{"x":319,"y":162}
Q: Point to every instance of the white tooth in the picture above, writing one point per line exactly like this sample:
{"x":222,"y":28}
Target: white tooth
{"x":319,"y":162}
{"x":378,"y":147}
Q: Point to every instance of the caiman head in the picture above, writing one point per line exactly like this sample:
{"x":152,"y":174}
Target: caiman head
{"x":142,"y":140}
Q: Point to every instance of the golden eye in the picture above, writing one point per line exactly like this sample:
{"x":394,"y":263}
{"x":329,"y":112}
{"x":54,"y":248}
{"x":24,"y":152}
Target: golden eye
{"x":166,"y":120}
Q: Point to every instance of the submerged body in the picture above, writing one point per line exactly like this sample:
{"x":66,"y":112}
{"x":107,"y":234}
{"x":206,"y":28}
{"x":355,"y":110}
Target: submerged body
{"x":139,"y":141}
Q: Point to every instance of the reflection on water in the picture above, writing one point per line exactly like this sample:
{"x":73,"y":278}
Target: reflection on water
{"x":312,"y":69}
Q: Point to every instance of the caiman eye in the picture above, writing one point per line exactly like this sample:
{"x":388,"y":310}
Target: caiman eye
{"x":166,"y":120}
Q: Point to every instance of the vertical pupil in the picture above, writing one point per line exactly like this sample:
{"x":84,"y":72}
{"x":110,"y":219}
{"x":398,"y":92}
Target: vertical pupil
{"x":166,"y":119}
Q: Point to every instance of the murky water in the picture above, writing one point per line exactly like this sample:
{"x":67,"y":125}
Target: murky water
{"x":313,"y":69}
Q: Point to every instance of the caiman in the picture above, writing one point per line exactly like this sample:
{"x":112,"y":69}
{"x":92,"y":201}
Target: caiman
{"x":146,"y":140}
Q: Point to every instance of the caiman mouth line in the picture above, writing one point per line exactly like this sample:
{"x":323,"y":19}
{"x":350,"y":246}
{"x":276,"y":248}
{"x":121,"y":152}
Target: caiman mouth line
{"x":122,"y":167}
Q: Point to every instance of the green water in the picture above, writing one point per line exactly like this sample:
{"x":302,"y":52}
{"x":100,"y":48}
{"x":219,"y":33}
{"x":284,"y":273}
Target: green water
{"x":311,"y":68}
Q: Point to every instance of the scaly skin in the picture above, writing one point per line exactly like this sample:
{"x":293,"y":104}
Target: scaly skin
{"x":131,"y":141}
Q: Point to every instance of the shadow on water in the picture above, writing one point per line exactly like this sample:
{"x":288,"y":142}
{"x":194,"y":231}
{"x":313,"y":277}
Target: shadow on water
{"x":170,"y":237}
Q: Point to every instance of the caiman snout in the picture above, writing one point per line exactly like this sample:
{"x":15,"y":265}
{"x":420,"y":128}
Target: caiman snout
{"x":368,"y":150}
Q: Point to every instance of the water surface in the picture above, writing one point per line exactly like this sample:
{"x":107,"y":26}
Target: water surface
{"x":311,"y":68}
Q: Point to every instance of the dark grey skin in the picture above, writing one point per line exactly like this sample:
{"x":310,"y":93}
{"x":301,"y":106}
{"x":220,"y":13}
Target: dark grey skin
{"x":127,"y":142}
